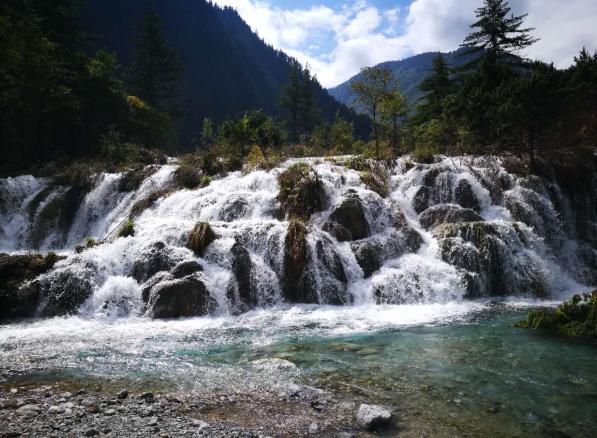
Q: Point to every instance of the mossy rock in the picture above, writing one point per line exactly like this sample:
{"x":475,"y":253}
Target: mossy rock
{"x":201,"y":236}
{"x":301,"y":191}
{"x":133,"y":178}
{"x":575,"y":318}
{"x":127,"y":229}
{"x":377,"y":182}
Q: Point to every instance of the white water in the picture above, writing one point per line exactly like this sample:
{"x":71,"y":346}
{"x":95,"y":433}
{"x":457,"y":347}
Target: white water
{"x":242,"y":207}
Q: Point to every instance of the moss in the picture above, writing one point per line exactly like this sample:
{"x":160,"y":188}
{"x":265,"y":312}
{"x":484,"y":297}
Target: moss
{"x":574,"y":318}
{"x":200,"y":238}
{"x":301,"y":191}
{"x":127,"y":229}
{"x":89,"y":243}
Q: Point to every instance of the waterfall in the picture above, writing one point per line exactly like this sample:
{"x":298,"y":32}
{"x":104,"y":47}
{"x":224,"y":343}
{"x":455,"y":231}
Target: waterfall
{"x":458,"y":228}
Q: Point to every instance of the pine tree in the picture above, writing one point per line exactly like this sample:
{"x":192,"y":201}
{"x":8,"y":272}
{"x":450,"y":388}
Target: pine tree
{"x":308,"y":109}
{"x":290,"y":100}
{"x":499,"y":35}
{"x":437,"y":86}
{"x":155,"y":69}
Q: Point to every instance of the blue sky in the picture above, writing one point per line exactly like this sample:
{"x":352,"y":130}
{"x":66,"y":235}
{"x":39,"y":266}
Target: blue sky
{"x":339,"y":37}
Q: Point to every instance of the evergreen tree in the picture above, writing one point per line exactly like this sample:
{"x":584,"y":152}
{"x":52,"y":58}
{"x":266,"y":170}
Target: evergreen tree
{"x":155,"y":70}
{"x":308,"y":109}
{"x":437,"y":86}
{"x":394,"y":107}
{"x":498,"y":38}
{"x":291,"y":98}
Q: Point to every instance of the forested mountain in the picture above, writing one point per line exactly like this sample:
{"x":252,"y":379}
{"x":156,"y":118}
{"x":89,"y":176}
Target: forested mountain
{"x":228,"y":69}
{"x":409,"y":72}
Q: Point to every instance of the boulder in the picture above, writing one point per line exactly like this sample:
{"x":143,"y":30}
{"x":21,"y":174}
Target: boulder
{"x":369,"y":256}
{"x":235,"y":208}
{"x":447,"y":213}
{"x":185,"y":268}
{"x":332,"y":277}
{"x":464,"y":195}
{"x":242,"y":268}
{"x":374,"y":418}
{"x":152,"y":261}
{"x":180,"y":298}
{"x":421,"y":200}
{"x":17,"y":302}
{"x":340,"y":233}
{"x":298,"y":284}
{"x":350,"y":214}
{"x":64,"y":290}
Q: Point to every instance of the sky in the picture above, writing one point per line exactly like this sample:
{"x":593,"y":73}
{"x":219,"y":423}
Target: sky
{"x":336,"y":38}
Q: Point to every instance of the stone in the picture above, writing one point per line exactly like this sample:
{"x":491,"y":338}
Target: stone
{"x":92,"y":432}
{"x":340,"y":233}
{"x":373,"y":417}
{"x":186,"y":297}
{"x":147,"y":396}
{"x":242,"y":268}
{"x":313,"y":428}
{"x":350,"y":214}
{"x":155,"y":259}
{"x":110,"y":412}
{"x":122,"y":394}
{"x":186,"y":268}
{"x":234,"y":209}
{"x":464,"y":195}
{"x":447,"y":214}
{"x":421,"y":200}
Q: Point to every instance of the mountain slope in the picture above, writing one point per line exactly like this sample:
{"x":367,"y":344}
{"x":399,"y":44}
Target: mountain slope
{"x":409,"y":72}
{"x":228,"y":68}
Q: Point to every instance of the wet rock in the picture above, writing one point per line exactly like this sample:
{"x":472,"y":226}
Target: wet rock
{"x":350,"y":214}
{"x":464,"y":195}
{"x":155,"y":259}
{"x":64,"y":290}
{"x":180,"y":298}
{"x":160,"y":277}
{"x":332,"y":283}
{"x":494,"y":259}
{"x":186,"y":268}
{"x":236,"y":208}
{"x":421,"y":200}
{"x":242,"y":268}
{"x":374,"y":418}
{"x":14,"y":270}
{"x":132,"y":179}
{"x":297,"y":283}
{"x":338,"y":231}
{"x":447,"y":213}
{"x":369,"y":256}
{"x":122,"y":394}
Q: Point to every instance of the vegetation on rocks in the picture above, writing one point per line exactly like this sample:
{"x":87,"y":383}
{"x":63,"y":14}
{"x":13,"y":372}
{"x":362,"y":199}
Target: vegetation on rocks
{"x":574,"y":318}
{"x":127,"y":229}
{"x":296,"y":259}
{"x":200,"y":238}
{"x":89,"y":243}
{"x":301,"y":191}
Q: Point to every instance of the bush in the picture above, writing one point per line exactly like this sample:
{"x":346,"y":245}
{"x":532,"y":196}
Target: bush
{"x":205,"y":180}
{"x":255,"y":160}
{"x":187,"y":176}
{"x":89,"y":243}
{"x":424,"y":154}
{"x":201,"y":236}
{"x":574,"y":318}
{"x":115,"y":151}
{"x":127,"y":229}
{"x":301,"y":192}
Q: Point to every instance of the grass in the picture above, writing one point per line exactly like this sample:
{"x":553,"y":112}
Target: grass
{"x":127,"y":229}
{"x":200,"y":238}
{"x":301,"y":191}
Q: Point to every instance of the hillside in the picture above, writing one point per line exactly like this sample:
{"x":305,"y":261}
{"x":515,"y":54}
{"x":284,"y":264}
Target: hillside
{"x":228,"y":68}
{"x":409,"y":72}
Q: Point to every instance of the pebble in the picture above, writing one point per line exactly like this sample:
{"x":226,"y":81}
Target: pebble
{"x":110,"y":412}
{"x":313,"y":428}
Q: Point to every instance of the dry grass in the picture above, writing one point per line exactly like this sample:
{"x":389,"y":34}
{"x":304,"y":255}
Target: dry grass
{"x":200,"y":238}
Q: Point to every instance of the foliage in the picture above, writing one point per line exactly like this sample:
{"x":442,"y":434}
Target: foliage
{"x":113,"y":150}
{"x":89,"y":243}
{"x":298,"y":99}
{"x":127,"y":229}
{"x":341,"y":135}
{"x":424,"y":154}
{"x":575,"y":318}
{"x":301,"y":191}
{"x":201,"y":236}
{"x":188,"y":175}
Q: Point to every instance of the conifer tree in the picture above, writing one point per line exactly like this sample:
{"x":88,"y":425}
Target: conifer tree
{"x":291,"y":100}
{"x":437,"y":86}
{"x":155,"y":69}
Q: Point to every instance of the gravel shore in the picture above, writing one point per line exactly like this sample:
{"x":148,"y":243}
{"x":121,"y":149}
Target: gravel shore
{"x":55,"y":410}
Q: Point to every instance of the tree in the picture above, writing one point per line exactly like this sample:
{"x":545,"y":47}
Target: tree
{"x":155,"y":70}
{"x":291,"y":100}
{"x":308,"y":109}
{"x":499,"y":36}
{"x":437,"y":86}
{"x":393,"y":108}
{"x":341,"y":135}
{"x":371,"y":90}
{"x":207,"y":133}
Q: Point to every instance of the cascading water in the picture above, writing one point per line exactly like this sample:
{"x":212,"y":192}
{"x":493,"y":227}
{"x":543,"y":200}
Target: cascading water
{"x":449,"y":230}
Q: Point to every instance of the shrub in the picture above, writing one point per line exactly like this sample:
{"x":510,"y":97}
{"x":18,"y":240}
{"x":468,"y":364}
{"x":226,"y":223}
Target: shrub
{"x":77,"y":174}
{"x":255,"y":160}
{"x":89,"y":243}
{"x":574,"y":318}
{"x":296,"y":243}
{"x":301,"y":192}
{"x":205,"y":180}
{"x":424,"y":154}
{"x":201,"y":236}
{"x":115,"y":151}
{"x":187,"y":177}
{"x":127,"y":229}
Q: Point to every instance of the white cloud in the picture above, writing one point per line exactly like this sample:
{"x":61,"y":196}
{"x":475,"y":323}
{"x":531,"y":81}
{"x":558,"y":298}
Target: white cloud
{"x":336,"y":43}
